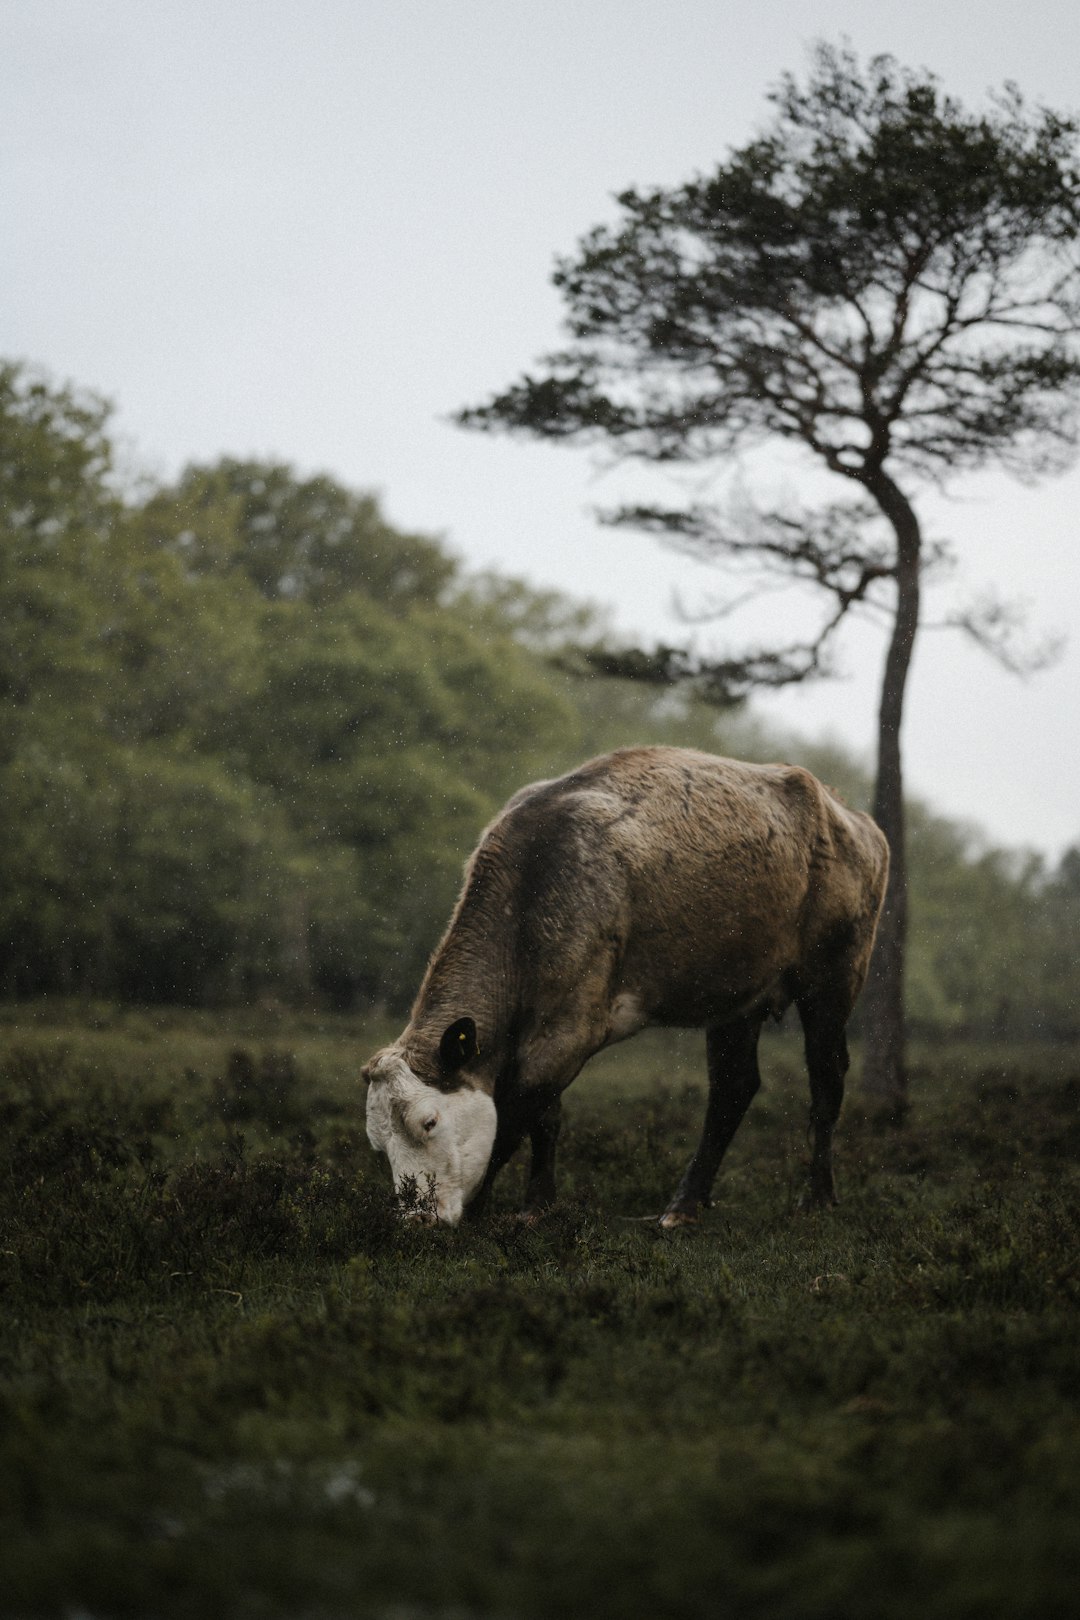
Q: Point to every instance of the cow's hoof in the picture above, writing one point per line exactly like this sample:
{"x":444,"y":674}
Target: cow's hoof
{"x":679,"y":1217}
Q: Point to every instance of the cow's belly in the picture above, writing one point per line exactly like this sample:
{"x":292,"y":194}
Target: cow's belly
{"x":708,"y":985}
{"x":692,"y":1005}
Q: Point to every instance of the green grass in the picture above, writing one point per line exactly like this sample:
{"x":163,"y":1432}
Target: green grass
{"x":233,"y":1382}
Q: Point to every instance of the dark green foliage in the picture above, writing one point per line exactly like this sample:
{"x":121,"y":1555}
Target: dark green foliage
{"x":249,"y":730}
{"x":232,"y":1380}
{"x":294,"y":539}
{"x":995,"y":937}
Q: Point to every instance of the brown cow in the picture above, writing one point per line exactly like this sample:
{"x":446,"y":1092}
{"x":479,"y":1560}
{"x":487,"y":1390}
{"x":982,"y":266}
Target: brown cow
{"x":650,"y":886}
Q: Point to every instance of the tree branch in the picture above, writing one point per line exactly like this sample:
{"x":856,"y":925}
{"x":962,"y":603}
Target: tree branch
{"x":1000,"y":628}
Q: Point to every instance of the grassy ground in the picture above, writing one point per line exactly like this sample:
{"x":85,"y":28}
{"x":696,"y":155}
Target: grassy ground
{"x":232,"y":1382}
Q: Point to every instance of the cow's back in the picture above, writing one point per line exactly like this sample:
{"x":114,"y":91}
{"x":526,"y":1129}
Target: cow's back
{"x":708,"y":883}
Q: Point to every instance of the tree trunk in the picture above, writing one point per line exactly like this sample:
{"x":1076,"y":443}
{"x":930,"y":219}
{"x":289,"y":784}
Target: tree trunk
{"x":884,"y":1068}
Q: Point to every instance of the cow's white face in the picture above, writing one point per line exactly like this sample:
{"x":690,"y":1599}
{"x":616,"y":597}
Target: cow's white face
{"x":441,"y":1139}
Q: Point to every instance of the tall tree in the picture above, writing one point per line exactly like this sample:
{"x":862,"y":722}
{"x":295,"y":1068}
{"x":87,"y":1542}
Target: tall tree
{"x":886,"y":281}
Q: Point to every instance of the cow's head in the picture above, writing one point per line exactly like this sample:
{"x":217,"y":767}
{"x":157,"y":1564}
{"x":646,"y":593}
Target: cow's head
{"x":438,"y":1137}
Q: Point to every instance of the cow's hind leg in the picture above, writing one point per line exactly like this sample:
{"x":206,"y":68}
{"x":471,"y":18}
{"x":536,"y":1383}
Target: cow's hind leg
{"x":731,"y":1052}
{"x":827,"y":1064}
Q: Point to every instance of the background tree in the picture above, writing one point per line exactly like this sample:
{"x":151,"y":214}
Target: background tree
{"x":294,"y":538}
{"x":248,"y":730}
{"x":882,"y":279}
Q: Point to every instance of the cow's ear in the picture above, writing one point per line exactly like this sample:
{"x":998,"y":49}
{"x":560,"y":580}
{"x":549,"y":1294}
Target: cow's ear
{"x":458,"y":1045}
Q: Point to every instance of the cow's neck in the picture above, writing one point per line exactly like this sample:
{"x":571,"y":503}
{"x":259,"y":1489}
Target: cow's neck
{"x":471,"y":975}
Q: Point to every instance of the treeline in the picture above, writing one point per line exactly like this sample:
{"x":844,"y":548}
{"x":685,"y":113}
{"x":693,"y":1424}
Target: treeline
{"x":249,"y":730}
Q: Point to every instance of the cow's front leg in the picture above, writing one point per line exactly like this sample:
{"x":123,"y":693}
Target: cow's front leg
{"x":543,"y":1135}
{"x":731,"y":1052}
{"x":513,"y":1122}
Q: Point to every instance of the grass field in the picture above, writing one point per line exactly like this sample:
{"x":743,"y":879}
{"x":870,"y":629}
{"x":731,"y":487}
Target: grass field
{"x":232,"y":1382}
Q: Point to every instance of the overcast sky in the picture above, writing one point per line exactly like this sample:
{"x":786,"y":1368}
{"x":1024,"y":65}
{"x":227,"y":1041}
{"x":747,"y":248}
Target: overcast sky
{"x":313,"y":230}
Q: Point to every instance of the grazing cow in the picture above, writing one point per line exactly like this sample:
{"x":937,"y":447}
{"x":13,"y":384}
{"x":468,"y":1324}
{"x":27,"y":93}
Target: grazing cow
{"x":650,"y":886}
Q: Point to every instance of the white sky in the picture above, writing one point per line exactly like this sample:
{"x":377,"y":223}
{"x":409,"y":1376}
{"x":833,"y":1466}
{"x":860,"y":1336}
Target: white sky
{"x":312,"y":229}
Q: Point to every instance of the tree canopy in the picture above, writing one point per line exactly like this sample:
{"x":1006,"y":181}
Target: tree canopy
{"x":883,"y":278}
